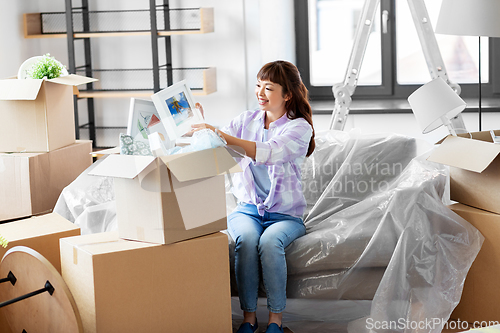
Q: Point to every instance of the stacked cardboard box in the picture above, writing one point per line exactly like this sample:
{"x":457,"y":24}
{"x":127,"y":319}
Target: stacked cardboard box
{"x":130,"y":286}
{"x":479,"y":300}
{"x":167,"y":267}
{"x":475,"y":184}
{"x":32,"y":182}
{"x":42,"y":234}
{"x":170,"y":198}
{"x":39,"y":156}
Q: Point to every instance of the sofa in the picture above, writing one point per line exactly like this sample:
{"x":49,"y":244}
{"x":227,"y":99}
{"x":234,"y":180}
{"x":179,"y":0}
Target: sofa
{"x":377,"y":230}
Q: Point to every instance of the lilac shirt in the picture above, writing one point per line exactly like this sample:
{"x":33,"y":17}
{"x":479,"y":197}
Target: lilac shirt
{"x":282,"y":153}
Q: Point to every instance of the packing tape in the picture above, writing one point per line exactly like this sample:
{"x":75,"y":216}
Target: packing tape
{"x":140,"y":233}
{"x":75,"y":255}
{"x":75,"y":248}
{"x":216,"y":161}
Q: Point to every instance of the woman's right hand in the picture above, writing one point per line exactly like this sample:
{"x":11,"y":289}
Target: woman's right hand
{"x":199,"y":107}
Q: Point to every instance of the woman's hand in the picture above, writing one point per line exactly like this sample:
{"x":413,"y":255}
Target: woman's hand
{"x":248,"y":147}
{"x":199,"y":107}
{"x":197,"y":127}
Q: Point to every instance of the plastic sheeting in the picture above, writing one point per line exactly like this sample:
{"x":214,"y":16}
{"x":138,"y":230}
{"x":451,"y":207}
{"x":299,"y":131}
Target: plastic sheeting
{"x":381,"y":249}
{"x":89,"y":202}
{"x":377,"y":229}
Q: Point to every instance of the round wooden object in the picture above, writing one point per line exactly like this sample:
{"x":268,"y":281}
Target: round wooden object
{"x":42,"y":312}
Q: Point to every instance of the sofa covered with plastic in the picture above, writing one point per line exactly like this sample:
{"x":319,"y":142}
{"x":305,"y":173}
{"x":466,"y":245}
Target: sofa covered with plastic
{"x":380,"y":247}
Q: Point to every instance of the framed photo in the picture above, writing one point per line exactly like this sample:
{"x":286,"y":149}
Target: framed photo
{"x":176,"y":107}
{"x":143,"y":120}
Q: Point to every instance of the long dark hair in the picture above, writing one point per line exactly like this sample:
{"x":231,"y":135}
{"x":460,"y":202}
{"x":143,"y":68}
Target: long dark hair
{"x":287,"y":76}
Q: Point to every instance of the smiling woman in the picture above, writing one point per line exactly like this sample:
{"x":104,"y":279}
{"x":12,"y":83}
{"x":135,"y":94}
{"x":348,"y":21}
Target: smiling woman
{"x":275,"y":138}
{"x":271,"y":99}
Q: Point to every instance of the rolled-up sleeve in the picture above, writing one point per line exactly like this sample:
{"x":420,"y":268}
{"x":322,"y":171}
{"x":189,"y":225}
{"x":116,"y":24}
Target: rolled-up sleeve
{"x":235,"y":126}
{"x":229,"y":129}
{"x":292,"y":143}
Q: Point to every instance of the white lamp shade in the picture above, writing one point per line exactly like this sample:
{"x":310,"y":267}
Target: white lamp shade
{"x":469,"y":18}
{"x":432,"y":101}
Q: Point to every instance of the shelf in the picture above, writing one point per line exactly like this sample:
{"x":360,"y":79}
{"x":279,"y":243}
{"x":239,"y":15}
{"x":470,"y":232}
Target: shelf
{"x":113,"y":131}
{"x":110,"y":23}
{"x":112,"y":83}
{"x":125,"y":83}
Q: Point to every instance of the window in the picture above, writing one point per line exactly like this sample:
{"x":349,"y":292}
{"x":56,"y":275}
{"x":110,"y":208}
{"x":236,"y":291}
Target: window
{"x":393,"y":65}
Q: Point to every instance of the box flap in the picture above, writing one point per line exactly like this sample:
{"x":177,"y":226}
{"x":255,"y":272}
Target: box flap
{"x":72,"y":80}
{"x":201,"y":164}
{"x":463,"y":153}
{"x":19,"y":89}
{"x":483,"y":136}
{"x":122,"y":166}
{"x":35,"y":227}
{"x":114,"y":150}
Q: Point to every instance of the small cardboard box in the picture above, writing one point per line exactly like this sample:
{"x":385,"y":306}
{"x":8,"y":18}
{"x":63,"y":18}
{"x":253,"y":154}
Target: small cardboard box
{"x":170,"y":198}
{"x":481,"y":291}
{"x":37,"y":115}
{"x":32,"y":182}
{"x":474,"y":169}
{"x":42,"y":234}
{"x":128,"y":286}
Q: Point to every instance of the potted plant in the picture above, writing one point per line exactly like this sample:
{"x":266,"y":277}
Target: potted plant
{"x":41,"y":67}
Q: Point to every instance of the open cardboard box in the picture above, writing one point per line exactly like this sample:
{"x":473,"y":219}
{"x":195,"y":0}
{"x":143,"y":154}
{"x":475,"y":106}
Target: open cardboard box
{"x":38,"y":115}
{"x":474,"y":169}
{"x":30,"y":183}
{"x":169,"y":198}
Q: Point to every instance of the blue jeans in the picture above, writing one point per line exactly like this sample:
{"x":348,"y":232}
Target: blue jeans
{"x":261,"y":241}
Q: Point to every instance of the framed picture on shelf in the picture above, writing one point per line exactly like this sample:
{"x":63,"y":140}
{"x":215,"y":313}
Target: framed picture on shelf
{"x":177,"y":110}
{"x":143,"y":120}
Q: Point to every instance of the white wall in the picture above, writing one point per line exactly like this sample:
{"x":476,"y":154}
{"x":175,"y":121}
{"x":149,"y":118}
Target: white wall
{"x":248,"y":33}
{"x":14,"y":48}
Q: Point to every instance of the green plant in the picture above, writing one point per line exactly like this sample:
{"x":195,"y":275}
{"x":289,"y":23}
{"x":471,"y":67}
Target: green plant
{"x":3,"y":242}
{"x":47,"y":67}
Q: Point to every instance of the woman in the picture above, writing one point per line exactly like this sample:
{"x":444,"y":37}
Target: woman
{"x":275,"y":138}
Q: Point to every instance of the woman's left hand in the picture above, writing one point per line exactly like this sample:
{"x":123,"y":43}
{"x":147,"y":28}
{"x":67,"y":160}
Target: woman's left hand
{"x":197,"y":127}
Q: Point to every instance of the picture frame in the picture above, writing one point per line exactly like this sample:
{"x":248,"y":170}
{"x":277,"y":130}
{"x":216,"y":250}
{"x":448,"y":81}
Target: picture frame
{"x":177,"y":110}
{"x":144,"y":120}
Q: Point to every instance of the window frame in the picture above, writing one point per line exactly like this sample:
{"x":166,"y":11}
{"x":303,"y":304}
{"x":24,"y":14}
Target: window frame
{"x":389,"y":89}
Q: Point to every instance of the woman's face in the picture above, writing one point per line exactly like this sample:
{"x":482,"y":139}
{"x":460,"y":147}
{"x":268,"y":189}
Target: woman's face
{"x":270,"y":96}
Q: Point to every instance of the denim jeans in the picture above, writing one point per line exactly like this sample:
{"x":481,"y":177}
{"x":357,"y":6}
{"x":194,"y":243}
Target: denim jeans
{"x":260,"y":241}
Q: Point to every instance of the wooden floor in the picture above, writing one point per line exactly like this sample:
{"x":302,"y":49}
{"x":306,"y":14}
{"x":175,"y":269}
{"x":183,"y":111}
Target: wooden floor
{"x":286,"y":330}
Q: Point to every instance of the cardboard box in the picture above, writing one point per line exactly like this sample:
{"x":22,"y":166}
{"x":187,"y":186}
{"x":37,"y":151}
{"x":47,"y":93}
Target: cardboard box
{"x":129,"y":286}
{"x":474,"y":169}
{"x":481,"y":291}
{"x":42,"y":234}
{"x":170,"y":198}
{"x":32,"y":182}
{"x":38,"y":115}
{"x":489,"y":329}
